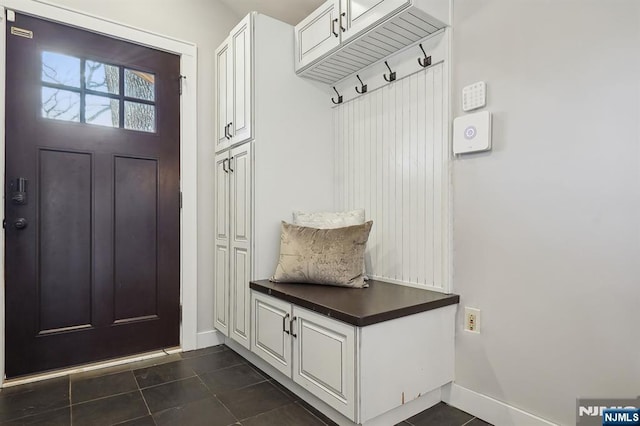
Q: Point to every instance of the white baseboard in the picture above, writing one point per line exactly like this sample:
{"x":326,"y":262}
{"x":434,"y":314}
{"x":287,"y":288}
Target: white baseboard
{"x":489,"y":409}
{"x":204,"y":339}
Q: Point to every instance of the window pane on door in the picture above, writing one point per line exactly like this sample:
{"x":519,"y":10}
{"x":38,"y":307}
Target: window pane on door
{"x":101,"y":77}
{"x":138,"y":116}
{"x":60,"y":104}
{"x":139,"y":85}
{"x":60,"y":69}
{"x":102,"y":111}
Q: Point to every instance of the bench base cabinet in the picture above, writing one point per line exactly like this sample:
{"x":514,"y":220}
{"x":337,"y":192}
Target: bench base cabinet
{"x":318,"y":353}
{"x":361,"y":372}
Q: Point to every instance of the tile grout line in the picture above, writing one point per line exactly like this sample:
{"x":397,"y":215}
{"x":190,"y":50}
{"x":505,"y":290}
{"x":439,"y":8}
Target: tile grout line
{"x":217,"y":399}
{"x":311,"y":412}
{"x":268,"y":411}
{"x":146,"y":404}
{"x":105,"y":397}
{"x":468,"y":421}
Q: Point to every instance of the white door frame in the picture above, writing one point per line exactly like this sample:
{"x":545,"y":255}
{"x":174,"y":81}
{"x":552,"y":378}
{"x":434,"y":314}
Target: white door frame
{"x":188,"y":144}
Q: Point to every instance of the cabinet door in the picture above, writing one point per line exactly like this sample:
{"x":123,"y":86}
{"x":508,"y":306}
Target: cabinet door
{"x":324,"y":359}
{"x":242,"y":78}
{"x":270,"y":337}
{"x":318,"y":33}
{"x":363,"y":14}
{"x":224,"y":90}
{"x":240,"y":242}
{"x":221,"y":253}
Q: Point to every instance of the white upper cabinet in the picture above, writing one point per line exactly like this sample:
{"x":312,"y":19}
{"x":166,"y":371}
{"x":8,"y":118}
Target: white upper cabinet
{"x":361,"y":15}
{"x":241,"y":40}
{"x":234,"y":85}
{"x":318,"y":33}
{"x":344,"y":36}
{"x":224,"y":91}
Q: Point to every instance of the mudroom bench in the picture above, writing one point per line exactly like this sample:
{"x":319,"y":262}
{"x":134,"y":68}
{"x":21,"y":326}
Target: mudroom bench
{"x":373,"y":355}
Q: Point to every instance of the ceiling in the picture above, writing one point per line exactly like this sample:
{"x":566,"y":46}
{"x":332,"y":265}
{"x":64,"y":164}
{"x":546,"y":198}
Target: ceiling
{"x":291,"y":11}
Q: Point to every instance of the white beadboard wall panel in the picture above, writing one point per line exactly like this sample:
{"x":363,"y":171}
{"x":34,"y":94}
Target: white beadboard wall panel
{"x":388,"y":145}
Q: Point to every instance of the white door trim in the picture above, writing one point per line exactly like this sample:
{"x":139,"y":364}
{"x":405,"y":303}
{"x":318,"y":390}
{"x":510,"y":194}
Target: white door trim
{"x":188,"y":144}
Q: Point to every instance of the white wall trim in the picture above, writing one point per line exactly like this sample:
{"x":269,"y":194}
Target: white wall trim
{"x":209,"y":338}
{"x":188,"y":144}
{"x":489,"y":409}
{"x":3,"y":68}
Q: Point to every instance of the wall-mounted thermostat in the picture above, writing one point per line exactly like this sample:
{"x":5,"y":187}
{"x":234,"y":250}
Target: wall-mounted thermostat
{"x":472,"y":133}
{"x":474,"y":96}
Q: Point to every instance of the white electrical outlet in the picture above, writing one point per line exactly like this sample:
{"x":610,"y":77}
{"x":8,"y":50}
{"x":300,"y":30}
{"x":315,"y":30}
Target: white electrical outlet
{"x":472,"y":319}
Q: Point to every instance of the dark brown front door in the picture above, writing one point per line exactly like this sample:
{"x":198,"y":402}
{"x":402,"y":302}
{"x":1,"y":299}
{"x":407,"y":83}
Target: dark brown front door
{"x":92,"y":197}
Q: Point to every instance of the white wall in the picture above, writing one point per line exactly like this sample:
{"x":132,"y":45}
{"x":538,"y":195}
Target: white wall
{"x":206,"y":23}
{"x":547,"y":225}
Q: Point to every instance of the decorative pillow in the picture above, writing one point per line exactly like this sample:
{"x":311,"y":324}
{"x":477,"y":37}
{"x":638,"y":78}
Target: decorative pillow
{"x":329,"y":220}
{"x":322,"y":256}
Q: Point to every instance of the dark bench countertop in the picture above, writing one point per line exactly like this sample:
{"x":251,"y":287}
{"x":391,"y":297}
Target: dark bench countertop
{"x":381,"y":301}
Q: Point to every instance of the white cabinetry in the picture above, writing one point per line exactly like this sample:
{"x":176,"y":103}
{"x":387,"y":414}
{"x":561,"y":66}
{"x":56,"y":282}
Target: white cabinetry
{"x":233,"y":234}
{"x":361,"y":372}
{"x":343,"y":36}
{"x":318,"y":353}
{"x":360,"y":15}
{"x":318,"y":33}
{"x":324,"y":359}
{"x":270,"y":330}
{"x":285,"y":165}
{"x":234,"y":80}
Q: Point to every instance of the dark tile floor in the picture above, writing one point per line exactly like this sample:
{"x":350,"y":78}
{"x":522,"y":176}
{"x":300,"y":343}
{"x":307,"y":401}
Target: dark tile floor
{"x":213,"y":386}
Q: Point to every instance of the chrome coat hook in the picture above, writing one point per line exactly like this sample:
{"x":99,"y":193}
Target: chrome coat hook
{"x":363,"y":86}
{"x":427,"y":59}
{"x":339,"y":101}
{"x":392,"y":74}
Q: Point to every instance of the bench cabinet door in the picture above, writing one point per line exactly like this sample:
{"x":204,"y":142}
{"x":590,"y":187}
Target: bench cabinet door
{"x":324,"y":359}
{"x":270,"y":331}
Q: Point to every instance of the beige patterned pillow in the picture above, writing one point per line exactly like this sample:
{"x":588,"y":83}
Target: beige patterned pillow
{"x":322,"y":256}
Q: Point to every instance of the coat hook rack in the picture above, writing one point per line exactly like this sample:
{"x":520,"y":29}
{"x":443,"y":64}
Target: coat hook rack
{"x":392,"y":74}
{"x":363,"y":88}
{"x":427,"y":59}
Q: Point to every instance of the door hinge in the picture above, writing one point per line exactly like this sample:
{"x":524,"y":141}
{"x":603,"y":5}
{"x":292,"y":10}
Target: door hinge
{"x":4,"y":223}
{"x":180,"y":314}
{"x":181,"y":78}
{"x":180,"y":199}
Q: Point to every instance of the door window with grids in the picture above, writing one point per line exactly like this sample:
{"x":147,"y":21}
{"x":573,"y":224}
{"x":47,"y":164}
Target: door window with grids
{"x":87,"y":91}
